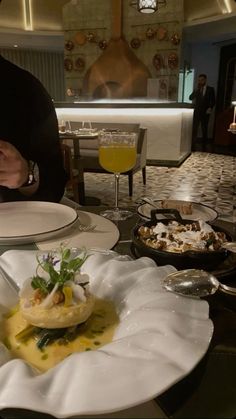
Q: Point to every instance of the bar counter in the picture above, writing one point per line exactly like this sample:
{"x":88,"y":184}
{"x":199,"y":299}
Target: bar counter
{"x":169,"y":124}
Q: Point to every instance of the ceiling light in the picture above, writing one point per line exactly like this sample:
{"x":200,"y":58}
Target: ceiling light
{"x":147,"y":6}
{"x":27,"y":7}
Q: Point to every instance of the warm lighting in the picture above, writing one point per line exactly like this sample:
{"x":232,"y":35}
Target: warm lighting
{"x":232,"y":127}
{"x":147,"y":6}
{"x":28,"y":22}
{"x":225,"y":6}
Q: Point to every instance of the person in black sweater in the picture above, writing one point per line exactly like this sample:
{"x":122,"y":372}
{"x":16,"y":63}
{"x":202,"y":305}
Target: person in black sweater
{"x":203,"y":98}
{"x":31,"y":164}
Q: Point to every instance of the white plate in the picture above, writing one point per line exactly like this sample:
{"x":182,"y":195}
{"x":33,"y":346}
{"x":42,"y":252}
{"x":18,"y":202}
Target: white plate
{"x":200,"y":211}
{"x":105,"y":235}
{"x":160,"y":339}
{"x":29,"y":221}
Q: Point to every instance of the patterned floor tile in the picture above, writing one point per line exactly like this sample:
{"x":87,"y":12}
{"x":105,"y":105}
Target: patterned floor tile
{"x":206,"y":178}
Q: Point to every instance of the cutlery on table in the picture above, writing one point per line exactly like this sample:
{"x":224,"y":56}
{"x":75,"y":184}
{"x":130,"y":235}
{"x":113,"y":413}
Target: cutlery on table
{"x":195,"y":283}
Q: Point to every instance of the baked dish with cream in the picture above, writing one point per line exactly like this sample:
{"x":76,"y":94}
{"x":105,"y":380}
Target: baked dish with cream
{"x":178,"y":238}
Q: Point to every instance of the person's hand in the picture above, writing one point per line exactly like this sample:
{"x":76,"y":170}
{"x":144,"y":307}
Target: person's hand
{"x":13,"y":167}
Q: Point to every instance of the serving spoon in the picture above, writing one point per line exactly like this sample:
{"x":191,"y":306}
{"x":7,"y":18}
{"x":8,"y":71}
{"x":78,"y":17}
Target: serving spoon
{"x":195,"y":283}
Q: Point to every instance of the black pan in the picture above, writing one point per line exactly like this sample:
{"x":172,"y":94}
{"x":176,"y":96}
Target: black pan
{"x":207,"y":260}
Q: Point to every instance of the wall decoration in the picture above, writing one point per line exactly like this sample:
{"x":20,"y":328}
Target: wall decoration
{"x":68,"y":64}
{"x":71,"y":92}
{"x":150,"y":33}
{"x":175,"y":39}
{"x":69,"y":45}
{"x":158,"y":62}
{"x":162,"y":33}
{"x":155,"y":40}
{"x":173,"y":61}
{"x":79,"y":64}
{"x":91,"y":37}
{"x":80,"y":38}
{"x":102,"y":44}
{"x":163,"y":88}
{"x":135,"y":43}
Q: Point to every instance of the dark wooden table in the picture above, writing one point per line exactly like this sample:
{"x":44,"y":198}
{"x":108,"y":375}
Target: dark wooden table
{"x":209,"y":391}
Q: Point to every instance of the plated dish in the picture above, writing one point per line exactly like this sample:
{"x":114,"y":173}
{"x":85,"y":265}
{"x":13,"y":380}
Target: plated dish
{"x":180,"y":242}
{"x":30,"y":221}
{"x":199,"y":211}
{"x":139,"y":363}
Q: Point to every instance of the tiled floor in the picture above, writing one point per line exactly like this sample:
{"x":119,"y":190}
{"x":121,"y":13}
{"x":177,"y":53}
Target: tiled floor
{"x":204,"y":178}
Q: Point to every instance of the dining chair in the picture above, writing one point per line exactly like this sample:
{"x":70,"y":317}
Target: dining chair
{"x":73,"y":174}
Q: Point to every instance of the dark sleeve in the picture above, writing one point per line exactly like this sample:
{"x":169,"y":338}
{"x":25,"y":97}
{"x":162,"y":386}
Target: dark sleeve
{"x":193,"y":95}
{"x":46,"y":152}
{"x":44,"y":145}
{"x":29,"y":123}
{"x":41,"y":144}
{"x":212,"y":98}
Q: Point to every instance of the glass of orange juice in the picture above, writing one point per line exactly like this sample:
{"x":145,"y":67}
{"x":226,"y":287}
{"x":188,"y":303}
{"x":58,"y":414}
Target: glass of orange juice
{"x":117,"y":154}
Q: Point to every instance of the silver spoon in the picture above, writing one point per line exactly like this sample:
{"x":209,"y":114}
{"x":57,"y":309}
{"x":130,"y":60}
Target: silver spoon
{"x":195,"y":283}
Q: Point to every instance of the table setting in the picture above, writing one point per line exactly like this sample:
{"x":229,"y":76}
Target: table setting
{"x":152,"y":321}
{"x":85,"y":131}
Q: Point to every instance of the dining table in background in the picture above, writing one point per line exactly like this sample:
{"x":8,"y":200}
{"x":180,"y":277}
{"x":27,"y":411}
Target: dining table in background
{"x":209,"y":390}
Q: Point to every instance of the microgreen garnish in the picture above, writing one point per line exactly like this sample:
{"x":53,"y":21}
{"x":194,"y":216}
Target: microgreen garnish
{"x":60,"y":266}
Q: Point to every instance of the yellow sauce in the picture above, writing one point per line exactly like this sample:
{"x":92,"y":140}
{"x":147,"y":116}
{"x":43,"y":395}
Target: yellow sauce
{"x":97,"y":331}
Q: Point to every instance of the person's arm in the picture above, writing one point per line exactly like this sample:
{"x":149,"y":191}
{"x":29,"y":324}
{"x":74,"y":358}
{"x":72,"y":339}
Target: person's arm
{"x":44,"y":150}
{"x":13,"y":167}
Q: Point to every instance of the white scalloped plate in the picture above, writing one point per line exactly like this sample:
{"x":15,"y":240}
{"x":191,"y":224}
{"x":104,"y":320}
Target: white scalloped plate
{"x":160,"y":339}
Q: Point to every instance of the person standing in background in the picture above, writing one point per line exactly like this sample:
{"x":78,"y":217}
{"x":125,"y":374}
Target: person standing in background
{"x":203,"y":98}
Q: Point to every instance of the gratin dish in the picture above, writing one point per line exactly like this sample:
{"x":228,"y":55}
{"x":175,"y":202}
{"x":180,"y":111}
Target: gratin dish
{"x":207,"y":260}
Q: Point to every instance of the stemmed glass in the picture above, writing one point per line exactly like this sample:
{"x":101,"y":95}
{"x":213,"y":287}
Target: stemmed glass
{"x":117,"y":154}
{"x":64,"y":126}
